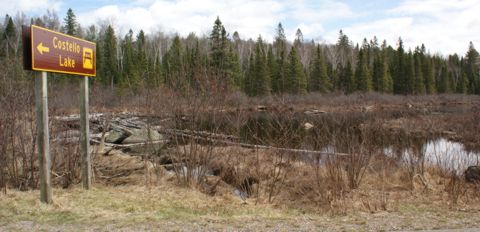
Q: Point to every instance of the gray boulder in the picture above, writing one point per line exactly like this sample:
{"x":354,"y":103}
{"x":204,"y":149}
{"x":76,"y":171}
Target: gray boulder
{"x":142,"y":135}
{"x":472,"y":174}
{"x":115,"y":136}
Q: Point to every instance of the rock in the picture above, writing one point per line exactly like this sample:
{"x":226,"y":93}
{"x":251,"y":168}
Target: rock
{"x":197,"y":172}
{"x":314,"y":112}
{"x":246,"y":185}
{"x":261,"y":108}
{"x":367,"y":108}
{"x":307,"y":126}
{"x":165,"y":159}
{"x":472,"y":174}
{"x":115,"y":136}
{"x":239,"y":193}
{"x":142,"y":135}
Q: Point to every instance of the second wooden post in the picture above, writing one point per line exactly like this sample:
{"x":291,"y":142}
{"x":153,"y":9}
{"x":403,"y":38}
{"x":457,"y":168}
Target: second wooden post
{"x":85,"y":135}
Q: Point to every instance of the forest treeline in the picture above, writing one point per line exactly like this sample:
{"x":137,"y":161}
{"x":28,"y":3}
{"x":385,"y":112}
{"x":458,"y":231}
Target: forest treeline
{"x":222,"y":61}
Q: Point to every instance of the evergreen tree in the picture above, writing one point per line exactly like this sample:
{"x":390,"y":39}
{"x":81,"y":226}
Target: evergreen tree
{"x":110,"y":69}
{"x":259,"y":72}
{"x":419,"y":85}
{"x":70,"y":23}
{"x":298,"y":42}
{"x":377,"y":74}
{"x":382,"y":80}
{"x":462,"y":84}
{"x":248,"y":86}
{"x":141,"y":54}
{"x":347,"y":79}
{"x":295,"y":79}
{"x":428,"y":74}
{"x":387,"y":81}
{"x":399,"y":80}
{"x":173,"y":66}
{"x":409,"y":74}
{"x":319,"y":80}
{"x":472,"y":70}
{"x":363,"y":76}
{"x":444,"y":81}
{"x":233,"y":68}
{"x":129,"y":69}
{"x":9,"y":35}
{"x":280,"y":50}
{"x":271,"y":67}
{"x":196,"y":66}
{"x":224,"y":61}
{"x":350,"y":78}
{"x":343,"y":50}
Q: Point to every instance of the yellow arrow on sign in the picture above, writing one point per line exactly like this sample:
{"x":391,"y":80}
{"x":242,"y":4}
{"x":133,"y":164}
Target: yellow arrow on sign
{"x":42,"y":49}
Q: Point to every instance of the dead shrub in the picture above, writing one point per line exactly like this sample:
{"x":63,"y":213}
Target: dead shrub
{"x":455,"y":188}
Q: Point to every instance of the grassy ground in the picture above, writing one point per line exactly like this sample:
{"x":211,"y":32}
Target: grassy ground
{"x":170,"y":208}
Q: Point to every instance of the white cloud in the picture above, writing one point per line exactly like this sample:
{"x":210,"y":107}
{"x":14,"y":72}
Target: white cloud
{"x":250,"y":18}
{"x":28,"y":7}
{"x":443,"y":26}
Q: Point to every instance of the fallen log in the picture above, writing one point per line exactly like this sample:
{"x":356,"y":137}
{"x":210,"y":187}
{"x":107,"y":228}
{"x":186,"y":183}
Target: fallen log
{"x":113,"y":145}
{"x":256,"y":146}
{"x":205,"y":134}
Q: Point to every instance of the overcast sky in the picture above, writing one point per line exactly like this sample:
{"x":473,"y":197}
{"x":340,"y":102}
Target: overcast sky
{"x":444,"y":26}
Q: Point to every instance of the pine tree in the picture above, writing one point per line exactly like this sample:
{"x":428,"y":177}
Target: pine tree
{"x":173,"y":66}
{"x":472,"y":69}
{"x":428,"y":73}
{"x":129,"y":70}
{"x":377,"y":74}
{"x":110,"y":68}
{"x":298,"y":42}
{"x":444,"y":81}
{"x":419,"y":82}
{"x":387,"y":80}
{"x":346,"y":79}
{"x":343,"y":50}
{"x":224,"y":61}
{"x":409,"y":74}
{"x":196,"y":66}
{"x":218,"y":39}
{"x":233,"y":68}
{"x":9,"y":36}
{"x":462,"y":84}
{"x":363,"y":76}
{"x":260,"y":77}
{"x":399,"y":80}
{"x":271,"y":67}
{"x":296,"y":81}
{"x":350,"y":78}
{"x":248,"y":86}
{"x":382,"y":80}
{"x":141,"y":54}
{"x":70,"y":21}
{"x":280,"y":51}
{"x":319,"y":80}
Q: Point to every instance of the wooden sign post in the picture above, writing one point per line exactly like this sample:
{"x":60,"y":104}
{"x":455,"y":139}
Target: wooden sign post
{"x":43,"y":144}
{"x":50,"y":51}
{"x":84,"y":135}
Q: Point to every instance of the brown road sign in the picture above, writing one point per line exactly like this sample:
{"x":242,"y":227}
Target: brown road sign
{"x":56,"y":52}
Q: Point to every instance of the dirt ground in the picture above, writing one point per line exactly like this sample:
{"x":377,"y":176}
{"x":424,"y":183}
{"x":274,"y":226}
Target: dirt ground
{"x":137,"y":208}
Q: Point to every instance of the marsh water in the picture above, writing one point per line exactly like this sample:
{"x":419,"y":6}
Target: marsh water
{"x":345,"y":133}
{"x":449,"y":155}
